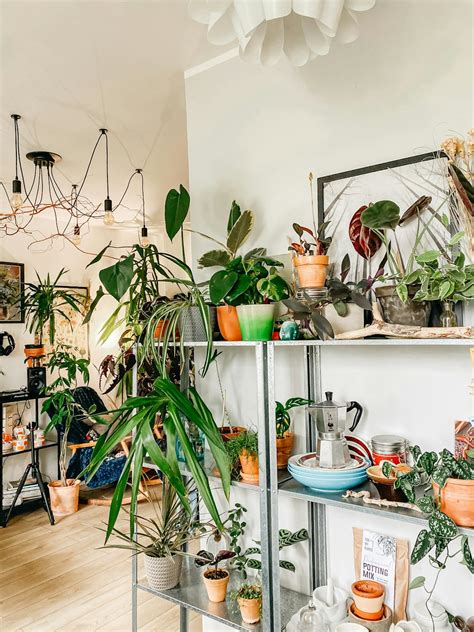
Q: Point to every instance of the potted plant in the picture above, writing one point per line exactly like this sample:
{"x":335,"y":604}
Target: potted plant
{"x":249,"y":600}
{"x":243,"y":449}
{"x":285,"y":438}
{"x":215,"y":579}
{"x":162,"y":540}
{"x":44,"y":302}
{"x":137,"y":416}
{"x":310,"y":258}
{"x":61,"y":407}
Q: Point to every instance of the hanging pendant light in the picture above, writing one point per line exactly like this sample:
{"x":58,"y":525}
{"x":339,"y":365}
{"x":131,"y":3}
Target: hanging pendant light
{"x":108,"y":208}
{"x":268,"y":29}
{"x":16,"y":199}
{"x":144,"y":239}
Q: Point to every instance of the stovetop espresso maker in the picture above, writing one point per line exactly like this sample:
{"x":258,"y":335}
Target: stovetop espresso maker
{"x":331,"y":420}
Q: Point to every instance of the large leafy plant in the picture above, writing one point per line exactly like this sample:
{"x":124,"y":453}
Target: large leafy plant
{"x":137,"y":416}
{"x":282,"y":414}
{"x":45,"y":301}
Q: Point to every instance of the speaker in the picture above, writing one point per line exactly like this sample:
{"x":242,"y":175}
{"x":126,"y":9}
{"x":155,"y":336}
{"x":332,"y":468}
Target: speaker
{"x":36,"y":380}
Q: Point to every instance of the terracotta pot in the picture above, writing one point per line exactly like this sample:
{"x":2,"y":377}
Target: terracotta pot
{"x":64,"y":500}
{"x":249,"y":465}
{"x":216,"y":588}
{"x":312,"y":270}
{"x":228,"y":322}
{"x":368,"y":598}
{"x":382,"y":625}
{"x":284,"y":448}
{"x":32,"y":352}
{"x":250,"y":609}
{"x":160,"y":329}
{"x":229,"y":432}
{"x":457,"y":500}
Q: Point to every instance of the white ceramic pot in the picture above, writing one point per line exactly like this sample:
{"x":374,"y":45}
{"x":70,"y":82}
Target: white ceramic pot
{"x":423,"y":618}
{"x":340,"y":324}
{"x":163,"y":573}
{"x":350,"y":627}
{"x":405,"y":626}
{"x":338,"y":611}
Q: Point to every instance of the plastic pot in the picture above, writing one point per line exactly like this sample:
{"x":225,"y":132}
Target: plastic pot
{"x":250,"y":609}
{"x":312,"y":270}
{"x":228,"y":322}
{"x":457,"y":500}
{"x":163,"y":573}
{"x":64,"y":499}
{"x":256,"y":321}
{"x":191,"y":323}
{"x":396,"y":312}
{"x":249,"y":467}
{"x":284,"y":448}
{"x":216,"y":588}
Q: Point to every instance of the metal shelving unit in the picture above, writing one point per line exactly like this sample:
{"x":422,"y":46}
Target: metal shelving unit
{"x":279,"y":604}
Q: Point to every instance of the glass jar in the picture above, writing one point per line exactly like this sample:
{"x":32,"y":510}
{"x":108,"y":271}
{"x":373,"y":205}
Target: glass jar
{"x":448,"y":316}
{"x":389,"y":448}
{"x":312,"y":620}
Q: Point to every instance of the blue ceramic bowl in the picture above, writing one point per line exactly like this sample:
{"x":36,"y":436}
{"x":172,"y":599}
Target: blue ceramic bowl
{"x":292,"y":463}
{"x":326,"y":484}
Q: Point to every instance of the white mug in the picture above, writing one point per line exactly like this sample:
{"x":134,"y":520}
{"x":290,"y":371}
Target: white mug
{"x":350,"y":627}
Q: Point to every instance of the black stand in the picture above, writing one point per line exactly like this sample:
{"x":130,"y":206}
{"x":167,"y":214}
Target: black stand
{"x":32,"y":467}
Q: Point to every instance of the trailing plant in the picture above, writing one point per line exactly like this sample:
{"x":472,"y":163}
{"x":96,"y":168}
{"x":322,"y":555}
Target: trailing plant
{"x":44,"y":302}
{"x":243,"y":442}
{"x":59,"y":402}
{"x":282,"y":414}
{"x":137,"y":416}
{"x":310,"y":242}
{"x":205,"y":558}
{"x":245,"y":560}
{"x":168,"y":533}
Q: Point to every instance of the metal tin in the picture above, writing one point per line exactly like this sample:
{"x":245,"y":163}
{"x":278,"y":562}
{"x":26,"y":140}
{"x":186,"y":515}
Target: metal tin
{"x":389,"y":448}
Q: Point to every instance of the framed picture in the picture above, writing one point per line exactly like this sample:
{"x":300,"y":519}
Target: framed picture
{"x":405,"y":181}
{"x":69,"y":328}
{"x":12,"y":278}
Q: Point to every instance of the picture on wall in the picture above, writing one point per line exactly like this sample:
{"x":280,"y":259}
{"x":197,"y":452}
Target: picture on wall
{"x":12,"y":277}
{"x":418,"y":185}
{"x":69,"y":328}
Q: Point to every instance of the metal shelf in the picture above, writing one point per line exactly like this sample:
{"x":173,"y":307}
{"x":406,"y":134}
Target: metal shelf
{"x":48,"y":444}
{"x":365,"y":342}
{"x":191,"y":594}
{"x":297,"y":490}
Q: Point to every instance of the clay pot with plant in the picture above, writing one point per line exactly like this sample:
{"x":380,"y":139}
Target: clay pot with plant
{"x":215,"y":579}
{"x":285,"y":438}
{"x":368,"y":598}
{"x":249,"y":600}
{"x":310,"y":258}
{"x":243,"y":449}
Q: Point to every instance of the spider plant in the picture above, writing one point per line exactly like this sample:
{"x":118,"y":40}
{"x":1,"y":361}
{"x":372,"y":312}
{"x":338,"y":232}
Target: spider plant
{"x":44,"y":302}
{"x":137,"y":416}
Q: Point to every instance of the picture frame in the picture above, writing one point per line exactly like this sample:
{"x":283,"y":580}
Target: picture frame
{"x":12,"y":282}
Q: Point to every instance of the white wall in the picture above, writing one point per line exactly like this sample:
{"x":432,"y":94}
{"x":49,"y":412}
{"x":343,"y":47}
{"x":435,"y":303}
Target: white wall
{"x":254,"y":134}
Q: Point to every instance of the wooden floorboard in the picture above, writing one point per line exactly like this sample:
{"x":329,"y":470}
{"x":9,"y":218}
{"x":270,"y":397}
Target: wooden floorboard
{"x":57,"y":579}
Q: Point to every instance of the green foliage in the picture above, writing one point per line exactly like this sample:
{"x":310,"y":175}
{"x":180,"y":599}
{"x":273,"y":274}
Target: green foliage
{"x":240,"y":230}
{"x":309,"y":242}
{"x":176,"y":210}
{"x":117,"y":278}
{"x":137,"y":416}
{"x":44,"y":302}
{"x":245,"y":441}
{"x":246,"y":591}
{"x":381,"y":215}
{"x":282,"y":415}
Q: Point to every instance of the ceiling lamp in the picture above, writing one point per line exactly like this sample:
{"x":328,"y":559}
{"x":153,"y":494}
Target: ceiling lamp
{"x":267,"y":29}
{"x":68,"y":214}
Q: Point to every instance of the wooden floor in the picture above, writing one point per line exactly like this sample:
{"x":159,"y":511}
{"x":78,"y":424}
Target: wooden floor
{"x":56,"y":578}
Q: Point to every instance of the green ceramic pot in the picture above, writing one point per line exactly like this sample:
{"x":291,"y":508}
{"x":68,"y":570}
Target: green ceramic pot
{"x":256,"y":321}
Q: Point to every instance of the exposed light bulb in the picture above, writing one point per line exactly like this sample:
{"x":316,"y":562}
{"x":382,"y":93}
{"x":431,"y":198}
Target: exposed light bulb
{"x":16,"y":199}
{"x":144,"y":240}
{"x":76,"y":238}
{"x":108,"y":212}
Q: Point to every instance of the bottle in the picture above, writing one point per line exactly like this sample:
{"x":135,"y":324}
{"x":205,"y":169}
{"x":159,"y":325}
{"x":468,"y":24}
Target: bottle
{"x":448,"y":316}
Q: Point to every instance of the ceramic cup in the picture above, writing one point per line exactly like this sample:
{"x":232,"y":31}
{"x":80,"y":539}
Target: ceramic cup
{"x":405,"y":626}
{"x":336,"y":612}
{"x":19,"y":445}
{"x":350,"y":627}
{"x":368,"y":596}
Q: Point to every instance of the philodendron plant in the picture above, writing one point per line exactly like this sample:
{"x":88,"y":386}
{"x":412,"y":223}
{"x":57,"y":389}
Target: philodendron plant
{"x":282,"y":414}
{"x":442,"y":540}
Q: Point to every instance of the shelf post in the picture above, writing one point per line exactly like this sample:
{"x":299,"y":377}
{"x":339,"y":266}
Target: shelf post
{"x":316,"y":511}
{"x":268,"y":486}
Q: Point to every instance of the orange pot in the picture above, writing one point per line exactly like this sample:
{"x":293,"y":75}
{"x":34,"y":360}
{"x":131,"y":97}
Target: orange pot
{"x":249,"y":465}
{"x":284,"y":448}
{"x":216,"y":588}
{"x":161,"y":328}
{"x":312,"y":270}
{"x":64,"y":500}
{"x":457,"y":500}
{"x":33,"y":352}
{"x":250,"y":609}
{"x":228,"y":322}
{"x":229,"y":432}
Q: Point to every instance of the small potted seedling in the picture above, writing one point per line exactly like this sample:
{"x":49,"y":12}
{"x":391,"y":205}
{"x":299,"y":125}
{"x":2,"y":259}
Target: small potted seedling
{"x":249,"y":598}
{"x":215,"y":579}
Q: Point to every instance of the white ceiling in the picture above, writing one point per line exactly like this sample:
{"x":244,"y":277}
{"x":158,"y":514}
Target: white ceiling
{"x":70,"y":67}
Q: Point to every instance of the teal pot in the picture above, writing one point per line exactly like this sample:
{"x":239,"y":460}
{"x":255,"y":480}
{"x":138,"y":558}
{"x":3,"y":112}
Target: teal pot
{"x":256,"y":321}
{"x":191,"y":324}
{"x":396,"y":312}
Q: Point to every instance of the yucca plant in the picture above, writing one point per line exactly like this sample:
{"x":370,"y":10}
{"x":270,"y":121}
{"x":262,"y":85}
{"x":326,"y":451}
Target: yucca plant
{"x":137,"y":415}
{"x":44,"y":302}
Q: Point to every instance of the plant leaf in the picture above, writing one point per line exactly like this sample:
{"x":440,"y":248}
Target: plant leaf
{"x":466,"y":553}
{"x":221,"y":284}
{"x":322,"y":326}
{"x":117,"y":278}
{"x":214,"y":258}
{"x":234,"y":215}
{"x":240,"y":231}
{"x":442,"y":526}
{"x":99,"y":256}
{"x":98,"y":296}
{"x":176,"y":210}
{"x":428,"y":257}
{"x":424,"y":543}
{"x":381,"y":215}
{"x":416,"y":582}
